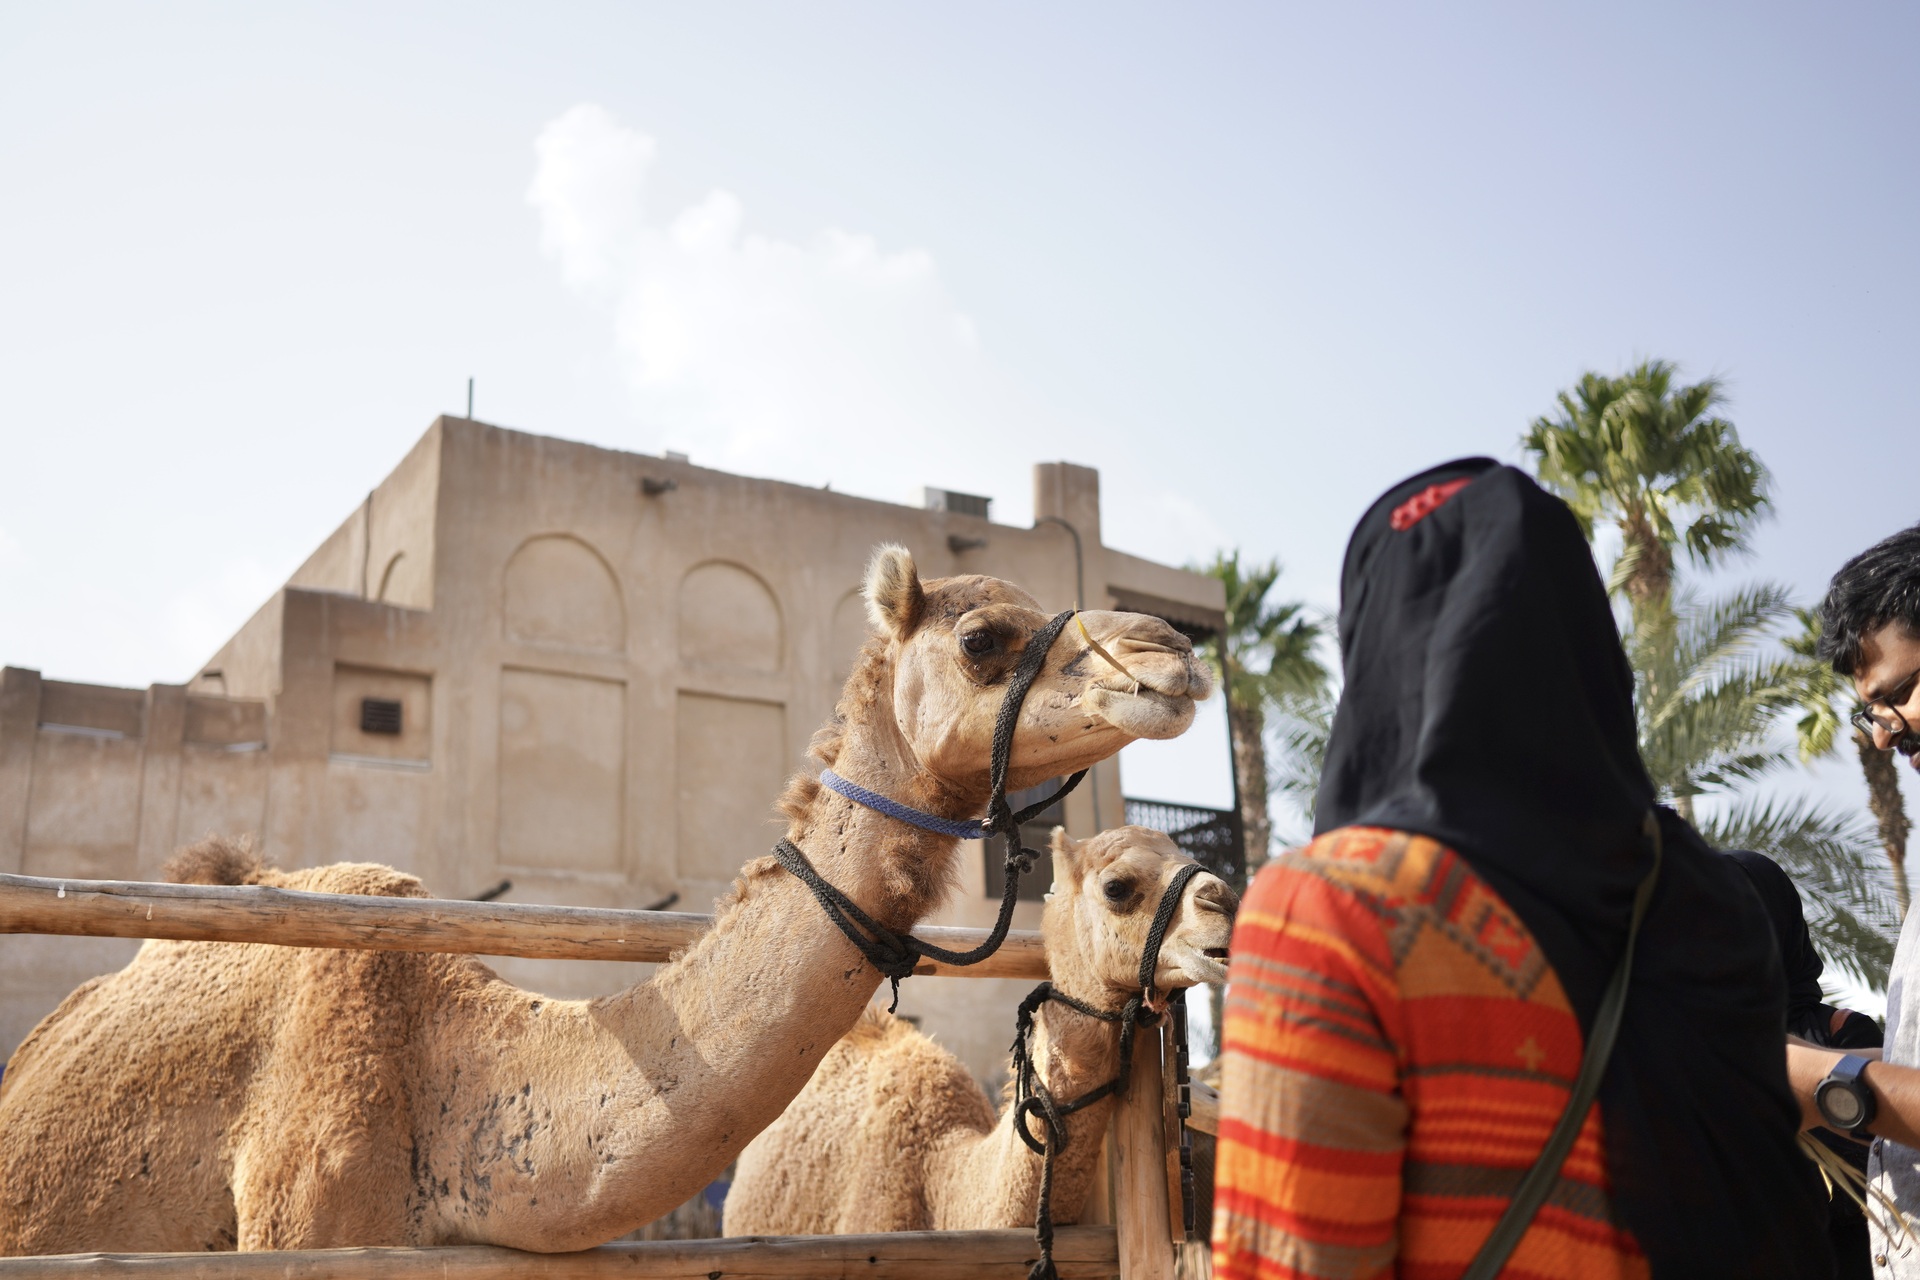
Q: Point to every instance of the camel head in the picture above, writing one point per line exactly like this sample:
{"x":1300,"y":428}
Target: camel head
{"x":951,"y":644}
{"x":1105,"y":892}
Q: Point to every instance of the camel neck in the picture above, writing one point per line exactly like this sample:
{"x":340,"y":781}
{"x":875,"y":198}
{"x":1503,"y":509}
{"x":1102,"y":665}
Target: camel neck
{"x":1074,"y":1053}
{"x":896,"y":871}
{"x":654,"y":1090}
{"x":996,"y":1180}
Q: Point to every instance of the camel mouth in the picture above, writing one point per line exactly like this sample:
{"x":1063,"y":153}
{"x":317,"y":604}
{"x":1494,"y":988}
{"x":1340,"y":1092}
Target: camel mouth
{"x":1168,"y":680}
{"x":1185,"y":965}
{"x":1205,"y":969}
{"x":1147,"y":713}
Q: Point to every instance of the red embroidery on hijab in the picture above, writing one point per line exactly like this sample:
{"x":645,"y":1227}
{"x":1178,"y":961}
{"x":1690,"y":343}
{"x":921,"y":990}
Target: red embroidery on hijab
{"x":1425,"y":503}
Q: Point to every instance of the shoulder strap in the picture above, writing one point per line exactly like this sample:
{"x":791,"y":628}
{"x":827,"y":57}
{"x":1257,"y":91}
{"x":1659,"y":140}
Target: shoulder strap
{"x":1539,"y":1180}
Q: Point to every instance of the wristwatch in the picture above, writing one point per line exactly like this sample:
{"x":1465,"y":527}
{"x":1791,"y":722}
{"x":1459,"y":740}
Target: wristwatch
{"x":1843,"y":1098}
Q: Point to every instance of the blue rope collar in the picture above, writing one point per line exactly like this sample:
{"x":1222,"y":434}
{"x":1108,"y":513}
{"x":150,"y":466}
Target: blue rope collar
{"x":958,"y":829}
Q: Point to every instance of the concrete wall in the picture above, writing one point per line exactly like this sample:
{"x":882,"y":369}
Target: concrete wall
{"x":602,"y":692}
{"x":384,"y":550}
{"x":102,"y":783}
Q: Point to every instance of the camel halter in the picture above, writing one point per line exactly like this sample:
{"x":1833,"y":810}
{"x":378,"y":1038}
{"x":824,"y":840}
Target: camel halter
{"x":1030,"y":1095}
{"x":895,"y":955}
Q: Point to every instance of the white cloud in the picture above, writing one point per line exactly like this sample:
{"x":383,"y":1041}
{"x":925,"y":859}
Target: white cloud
{"x":12,"y":554}
{"x":834,"y":360}
{"x":843,"y":360}
{"x":588,"y":189}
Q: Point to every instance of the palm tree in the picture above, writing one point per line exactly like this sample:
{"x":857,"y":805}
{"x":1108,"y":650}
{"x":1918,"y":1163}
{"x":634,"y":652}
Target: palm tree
{"x":1708,"y":690}
{"x":1266,"y":654}
{"x":1712,"y":687}
{"x":1827,"y":702}
{"x":1302,"y":724}
{"x":1650,"y":458}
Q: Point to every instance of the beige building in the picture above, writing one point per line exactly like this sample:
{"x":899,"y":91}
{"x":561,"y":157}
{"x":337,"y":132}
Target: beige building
{"x":583,"y":671}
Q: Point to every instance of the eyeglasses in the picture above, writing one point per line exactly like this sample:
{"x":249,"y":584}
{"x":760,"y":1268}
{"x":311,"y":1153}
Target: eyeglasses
{"x":1881,"y":714}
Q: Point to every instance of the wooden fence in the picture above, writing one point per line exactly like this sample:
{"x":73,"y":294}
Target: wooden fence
{"x":1142,"y":1245}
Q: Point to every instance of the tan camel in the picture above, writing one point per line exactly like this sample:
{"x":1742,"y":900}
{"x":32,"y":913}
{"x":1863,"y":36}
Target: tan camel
{"x":215,"y":1095}
{"x":893,"y":1134}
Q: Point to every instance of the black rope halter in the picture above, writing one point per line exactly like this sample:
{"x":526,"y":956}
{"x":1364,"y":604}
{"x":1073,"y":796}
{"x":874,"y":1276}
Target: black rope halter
{"x":1032,"y":1099}
{"x":895,"y":955}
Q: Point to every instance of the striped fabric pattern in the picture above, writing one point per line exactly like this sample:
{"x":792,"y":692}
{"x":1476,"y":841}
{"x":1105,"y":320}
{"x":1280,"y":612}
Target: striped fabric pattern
{"x":1396,"y":1051}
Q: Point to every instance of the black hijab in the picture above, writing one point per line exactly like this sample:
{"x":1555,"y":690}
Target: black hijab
{"x":1807,"y":1010}
{"x":1809,"y":1016}
{"x":1488,"y":704}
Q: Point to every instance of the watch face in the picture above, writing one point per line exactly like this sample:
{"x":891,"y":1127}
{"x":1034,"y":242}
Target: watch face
{"x":1840,"y":1106}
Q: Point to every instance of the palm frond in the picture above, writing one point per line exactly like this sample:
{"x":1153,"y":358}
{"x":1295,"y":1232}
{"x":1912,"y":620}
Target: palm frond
{"x":1708,"y":635}
{"x":1711,"y":687}
{"x":1268,"y":650}
{"x":1831,"y":857}
{"x":1823,"y":698}
{"x":1301,"y":727}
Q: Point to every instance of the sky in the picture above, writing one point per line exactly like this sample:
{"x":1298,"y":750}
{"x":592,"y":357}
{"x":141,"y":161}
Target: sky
{"x":1255,"y":262}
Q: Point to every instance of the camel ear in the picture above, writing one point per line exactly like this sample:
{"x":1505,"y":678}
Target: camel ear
{"x":895,"y":601}
{"x":1066,"y":859}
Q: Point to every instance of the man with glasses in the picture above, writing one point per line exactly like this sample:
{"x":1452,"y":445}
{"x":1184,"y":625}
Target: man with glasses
{"x":1870,"y":631}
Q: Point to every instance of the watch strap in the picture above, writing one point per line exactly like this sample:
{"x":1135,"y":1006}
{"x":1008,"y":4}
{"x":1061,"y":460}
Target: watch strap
{"x":1849,"y":1068}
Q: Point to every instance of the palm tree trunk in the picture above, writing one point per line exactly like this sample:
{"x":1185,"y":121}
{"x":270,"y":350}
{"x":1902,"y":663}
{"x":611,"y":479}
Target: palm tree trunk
{"x":1889,"y":810}
{"x":1650,"y":585}
{"x":1248,"y":726}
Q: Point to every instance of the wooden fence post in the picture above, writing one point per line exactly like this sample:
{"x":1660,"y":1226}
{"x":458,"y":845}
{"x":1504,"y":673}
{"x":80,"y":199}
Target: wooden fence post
{"x":1140,"y":1194}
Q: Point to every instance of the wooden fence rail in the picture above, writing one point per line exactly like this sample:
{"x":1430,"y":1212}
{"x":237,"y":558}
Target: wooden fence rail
{"x":294,"y":918}
{"x":1080,"y":1253}
{"x":1140,"y":1248}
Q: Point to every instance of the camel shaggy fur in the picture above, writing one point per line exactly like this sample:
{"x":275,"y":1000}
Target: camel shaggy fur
{"x":893,"y":1134}
{"x":214,"y":1095}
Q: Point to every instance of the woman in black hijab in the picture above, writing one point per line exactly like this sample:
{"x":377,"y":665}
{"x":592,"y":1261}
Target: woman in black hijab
{"x":1811,"y":1018}
{"x":1488,"y":705}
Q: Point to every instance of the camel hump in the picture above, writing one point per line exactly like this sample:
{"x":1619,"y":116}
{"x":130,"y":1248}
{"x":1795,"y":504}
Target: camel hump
{"x":880,"y":1033}
{"x":372,"y":879}
{"x":221,"y":860}
{"x":216,"y":860}
{"x":877,"y":1026}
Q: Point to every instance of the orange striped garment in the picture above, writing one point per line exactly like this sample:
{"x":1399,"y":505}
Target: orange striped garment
{"x":1396,"y":1051}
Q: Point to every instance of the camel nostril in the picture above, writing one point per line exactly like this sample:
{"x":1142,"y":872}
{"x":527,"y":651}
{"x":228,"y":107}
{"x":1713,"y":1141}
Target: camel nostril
{"x":1215,"y":905}
{"x":1215,"y":953}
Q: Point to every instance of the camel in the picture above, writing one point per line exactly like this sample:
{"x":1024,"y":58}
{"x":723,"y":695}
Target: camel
{"x":216,"y":1095}
{"x":893,"y":1134}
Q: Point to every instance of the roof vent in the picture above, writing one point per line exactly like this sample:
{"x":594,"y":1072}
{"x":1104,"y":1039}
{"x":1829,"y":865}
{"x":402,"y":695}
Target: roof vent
{"x":966,"y":504}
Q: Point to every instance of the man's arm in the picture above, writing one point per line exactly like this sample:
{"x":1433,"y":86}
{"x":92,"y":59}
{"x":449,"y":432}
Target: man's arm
{"x":1895,"y":1089}
{"x":1870,"y":1054}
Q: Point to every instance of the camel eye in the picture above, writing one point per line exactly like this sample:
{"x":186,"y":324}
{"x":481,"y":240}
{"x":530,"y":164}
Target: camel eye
{"x":977,"y":643}
{"x":1117,"y":890}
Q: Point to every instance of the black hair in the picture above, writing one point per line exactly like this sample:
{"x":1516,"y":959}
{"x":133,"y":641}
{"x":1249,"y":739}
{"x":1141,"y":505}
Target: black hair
{"x":1878,"y":586}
